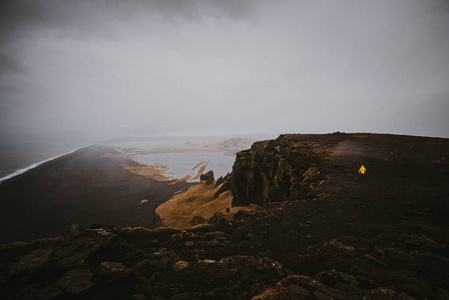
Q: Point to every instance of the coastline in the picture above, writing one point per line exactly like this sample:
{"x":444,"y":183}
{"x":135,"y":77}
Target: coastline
{"x":175,"y":163}
{"x":81,"y":187}
{"x":35,"y":165}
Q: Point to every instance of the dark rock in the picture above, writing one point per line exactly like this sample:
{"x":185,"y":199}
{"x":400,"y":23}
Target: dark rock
{"x":408,"y":283}
{"x":210,"y":295}
{"x":181,"y":296}
{"x":112,"y":271}
{"x":322,"y":296}
{"x":75,"y":254}
{"x":75,"y":231}
{"x":226,"y":185}
{"x":79,"y":248}
{"x":250,"y":235}
{"x":144,"y":269}
{"x":403,"y":296}
{"x":196,"y":220}
{"x":301,"y":287}
{"x":382,"y":293}
{"x":208,"y":177}
{"x":296,"y":290}
{"x":180,"y":266}
{"x":336,"y":246}
{"x":241,"y":215}
{"x":47,"y":293}
{"x":215,"y":234}
{"x":75,"y":281}
{"x":34,"y":263}
{"x":217,"y":218}
{"x":271,"y":170}
{"x":420,"y":241}
{"x":220,"y":180}
{"x":332,"y":278}
{"x":189,"y":244}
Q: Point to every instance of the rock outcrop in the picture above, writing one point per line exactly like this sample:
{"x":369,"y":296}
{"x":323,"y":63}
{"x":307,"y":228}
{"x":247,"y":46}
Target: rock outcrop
{"x":224,"y":184}
{"x":208,"y":177}
{"x":275,"y":170}
{"x":109,"y":262}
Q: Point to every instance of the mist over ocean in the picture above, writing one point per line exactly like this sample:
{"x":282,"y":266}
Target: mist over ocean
{"x":16,"y":156}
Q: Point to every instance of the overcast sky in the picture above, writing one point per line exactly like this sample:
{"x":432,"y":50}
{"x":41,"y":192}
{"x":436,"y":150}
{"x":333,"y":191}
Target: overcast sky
{"x":103,"y":68}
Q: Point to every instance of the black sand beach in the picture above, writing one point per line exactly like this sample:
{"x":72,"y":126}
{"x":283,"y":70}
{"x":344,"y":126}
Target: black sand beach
{"x":82,"y":187}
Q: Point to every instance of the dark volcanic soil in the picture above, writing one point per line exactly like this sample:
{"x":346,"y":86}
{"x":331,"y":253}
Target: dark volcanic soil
{"x":82,"y":187}
{"x":381,"y":236}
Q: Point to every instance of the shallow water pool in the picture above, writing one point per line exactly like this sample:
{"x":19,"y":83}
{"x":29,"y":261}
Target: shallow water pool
{"x":181,"y":164}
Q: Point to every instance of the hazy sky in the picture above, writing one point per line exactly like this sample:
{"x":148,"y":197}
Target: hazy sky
{"x":108,"y":68}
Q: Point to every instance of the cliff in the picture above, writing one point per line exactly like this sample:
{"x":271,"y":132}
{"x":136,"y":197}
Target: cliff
{"x":295,"y":167}
{"x":276,"y":170}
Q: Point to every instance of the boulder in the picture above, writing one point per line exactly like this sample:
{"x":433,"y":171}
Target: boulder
{"x":180,"y":266}
{"x":208,"y":177}
{"x":112,"y":271}
{"x":75,"y":281}
{"x":334,"y":278}
{"x":75,"y":231}
{"x":217,"y":218}
{"x":196,"y":220}
{"x":75,"y":254}
{"x":34,"y":263}
{"x":189,"y":244}
{"x":302,"y":287}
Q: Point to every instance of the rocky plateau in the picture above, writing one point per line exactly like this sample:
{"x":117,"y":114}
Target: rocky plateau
{"x":320,"y":231}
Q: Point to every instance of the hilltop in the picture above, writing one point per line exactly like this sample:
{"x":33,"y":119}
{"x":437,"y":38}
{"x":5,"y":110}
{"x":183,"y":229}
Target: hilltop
{"x":319,"y":231}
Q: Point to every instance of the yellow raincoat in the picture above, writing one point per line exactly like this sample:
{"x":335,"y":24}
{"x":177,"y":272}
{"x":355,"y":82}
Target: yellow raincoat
{"x":362,"y":170}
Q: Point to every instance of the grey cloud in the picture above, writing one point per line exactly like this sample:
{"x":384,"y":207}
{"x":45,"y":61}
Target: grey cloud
{"x":9,"y":64}
{"x":81,"y":19}
{"x":16,"y":15}
{"x":113,"y":68}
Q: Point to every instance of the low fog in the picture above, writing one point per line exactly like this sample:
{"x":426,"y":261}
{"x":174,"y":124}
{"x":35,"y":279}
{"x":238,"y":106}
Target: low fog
{"x":92,"y":70}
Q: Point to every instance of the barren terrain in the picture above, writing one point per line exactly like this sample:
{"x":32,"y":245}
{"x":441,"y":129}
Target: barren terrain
{"x":321,"y":231}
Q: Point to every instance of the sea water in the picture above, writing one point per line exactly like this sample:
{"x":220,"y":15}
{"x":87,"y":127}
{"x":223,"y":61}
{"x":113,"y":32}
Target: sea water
{"x":17,"y":158}
{"x":180,"y":164}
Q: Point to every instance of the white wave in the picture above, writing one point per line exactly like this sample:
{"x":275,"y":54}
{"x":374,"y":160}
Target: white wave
{"x":21,"y":171}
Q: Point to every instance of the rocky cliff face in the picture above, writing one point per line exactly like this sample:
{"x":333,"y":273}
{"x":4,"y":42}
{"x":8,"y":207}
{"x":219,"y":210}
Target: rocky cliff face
{"x":276,"y":170}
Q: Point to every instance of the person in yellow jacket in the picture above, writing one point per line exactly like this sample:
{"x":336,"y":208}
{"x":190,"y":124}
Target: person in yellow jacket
{"x":362,"y":170}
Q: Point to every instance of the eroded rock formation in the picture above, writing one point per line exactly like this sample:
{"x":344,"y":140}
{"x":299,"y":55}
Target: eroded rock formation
{"x":208,"y":177}
{"x":275,"y":170}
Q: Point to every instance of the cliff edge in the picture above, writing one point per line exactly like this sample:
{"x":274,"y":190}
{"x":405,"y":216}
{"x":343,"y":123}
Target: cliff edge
{"x":321,"y":231}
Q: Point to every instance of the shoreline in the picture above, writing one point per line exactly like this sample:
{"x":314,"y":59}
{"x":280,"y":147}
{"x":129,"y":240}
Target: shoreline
{"x":35,"y":165}
{"x":161,"y":169}
{"x":79,"y":188}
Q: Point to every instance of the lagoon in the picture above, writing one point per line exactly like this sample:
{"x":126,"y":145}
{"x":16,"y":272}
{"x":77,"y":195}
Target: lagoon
{"x":179,"y":164}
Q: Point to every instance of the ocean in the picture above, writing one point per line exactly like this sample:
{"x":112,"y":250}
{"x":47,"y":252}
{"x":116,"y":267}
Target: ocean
{"x":17,"y":158}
